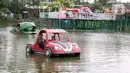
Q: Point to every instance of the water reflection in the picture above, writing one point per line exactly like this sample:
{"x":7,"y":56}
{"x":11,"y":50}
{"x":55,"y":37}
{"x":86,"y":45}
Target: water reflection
{"x":55,"y":64}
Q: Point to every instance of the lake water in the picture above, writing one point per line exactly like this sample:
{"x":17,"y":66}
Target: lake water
{"x":100,"y":53}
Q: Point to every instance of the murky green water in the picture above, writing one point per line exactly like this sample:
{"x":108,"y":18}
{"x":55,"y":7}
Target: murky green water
{"x":100,"y":53}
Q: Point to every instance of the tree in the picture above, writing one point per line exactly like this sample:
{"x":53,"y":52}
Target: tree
{"x":3,"y":6}
{"x":65,"y":3}
{"x":86,"y":3}
{"x":33,"y":2}
{"x":4,"y":10}
{"x":15,"y":6}
{"x":2,"y":3}
{"x":100,"y":4}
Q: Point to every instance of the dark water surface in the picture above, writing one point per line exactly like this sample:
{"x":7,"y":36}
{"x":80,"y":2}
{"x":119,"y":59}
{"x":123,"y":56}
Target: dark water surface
{"x":100,"y":53}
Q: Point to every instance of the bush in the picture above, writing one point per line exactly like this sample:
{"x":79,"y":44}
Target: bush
{"x":18,"y":16}
{"x":4,"y":10}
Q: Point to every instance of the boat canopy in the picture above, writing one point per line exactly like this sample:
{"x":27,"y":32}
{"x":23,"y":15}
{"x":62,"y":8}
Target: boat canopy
{"x":24,"y":25}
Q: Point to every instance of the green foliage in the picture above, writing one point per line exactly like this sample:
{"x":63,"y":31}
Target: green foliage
{"x":58,"y":3}
{"x":5,"y":10}
{"x":86,"y":4}
{"x":15,"y":6}
{"x":100,"y":4}
{"x":3,"y":4}
{"x":33,"y":2}
{"x":42,"y":4}
{"x":65,"y":3}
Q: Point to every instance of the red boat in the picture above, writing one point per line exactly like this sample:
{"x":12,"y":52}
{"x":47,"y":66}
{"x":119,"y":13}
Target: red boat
{"x":53,"y":42}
